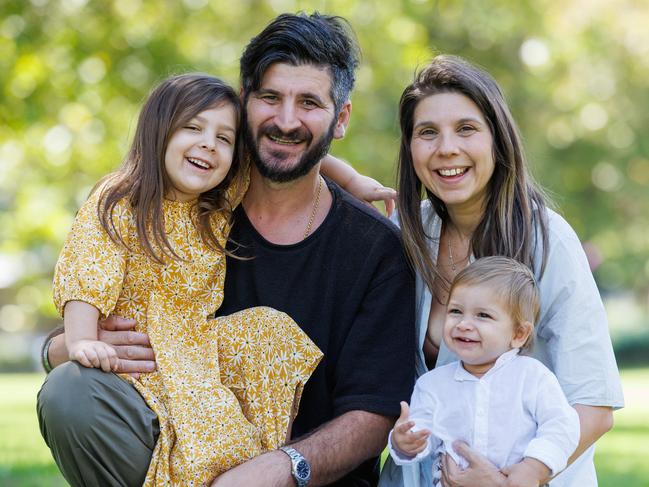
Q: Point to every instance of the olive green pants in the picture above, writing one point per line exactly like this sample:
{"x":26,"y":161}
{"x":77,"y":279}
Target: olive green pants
{"x":98,"y":427}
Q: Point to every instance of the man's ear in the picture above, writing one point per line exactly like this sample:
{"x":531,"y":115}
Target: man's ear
{"x":522,"y":332}
{"x":343,"y":120}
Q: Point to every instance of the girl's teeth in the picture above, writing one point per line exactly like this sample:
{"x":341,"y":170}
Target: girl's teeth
{"x":451,"y":172}
{"x":199,"y":163}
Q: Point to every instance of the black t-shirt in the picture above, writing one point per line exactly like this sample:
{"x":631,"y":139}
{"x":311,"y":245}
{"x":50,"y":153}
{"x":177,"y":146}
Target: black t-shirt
{"x":348,"y":286}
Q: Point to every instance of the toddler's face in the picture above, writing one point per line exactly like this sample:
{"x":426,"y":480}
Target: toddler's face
{"x":199,"y":154}
{"x":479,"y":327}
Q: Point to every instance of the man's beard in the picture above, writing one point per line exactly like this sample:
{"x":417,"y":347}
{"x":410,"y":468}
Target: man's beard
{"x":314,"y":153}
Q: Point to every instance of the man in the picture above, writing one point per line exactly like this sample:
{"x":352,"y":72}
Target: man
{"x":333,"y":265}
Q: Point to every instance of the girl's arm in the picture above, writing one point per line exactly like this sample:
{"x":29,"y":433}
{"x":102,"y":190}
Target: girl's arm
{"x":362,"y":187}
{"x":80,"y":322}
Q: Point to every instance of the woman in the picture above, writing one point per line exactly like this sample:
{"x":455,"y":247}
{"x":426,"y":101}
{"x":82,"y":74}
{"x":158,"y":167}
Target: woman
{"x":461,"y":149}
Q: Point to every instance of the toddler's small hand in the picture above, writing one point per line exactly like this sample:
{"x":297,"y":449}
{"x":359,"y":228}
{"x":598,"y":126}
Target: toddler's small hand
{"x":93,"y":353}
{"x":403,"y":439}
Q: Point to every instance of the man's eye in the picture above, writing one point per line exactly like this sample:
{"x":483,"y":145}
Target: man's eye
{"x":309,"y":104}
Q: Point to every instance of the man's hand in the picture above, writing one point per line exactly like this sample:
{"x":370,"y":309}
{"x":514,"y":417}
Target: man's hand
{"x":403,"y":439}
{"x":480,"y":472}
{"x":528,"y":473}
{"x":93,"y":353}
{"x":134,"y":352}
{"x":369,"y":190}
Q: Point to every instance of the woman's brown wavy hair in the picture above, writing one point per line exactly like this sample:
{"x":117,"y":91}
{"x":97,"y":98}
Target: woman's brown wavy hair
{"x":142,"y":180}
{"x":515,"y":207}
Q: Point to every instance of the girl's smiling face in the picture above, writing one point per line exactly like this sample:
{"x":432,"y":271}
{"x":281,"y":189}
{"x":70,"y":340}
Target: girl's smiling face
{"x":452,"y":150}
{"x":199,"y":154}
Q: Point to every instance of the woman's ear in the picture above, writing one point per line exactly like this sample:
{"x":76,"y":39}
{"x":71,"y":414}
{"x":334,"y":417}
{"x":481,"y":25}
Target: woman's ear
{"x":522,"y":332}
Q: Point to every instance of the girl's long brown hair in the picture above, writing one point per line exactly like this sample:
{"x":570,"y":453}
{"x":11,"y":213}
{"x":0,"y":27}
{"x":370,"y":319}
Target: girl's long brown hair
{"x":142,"y":180}
{"x":515,"y":207}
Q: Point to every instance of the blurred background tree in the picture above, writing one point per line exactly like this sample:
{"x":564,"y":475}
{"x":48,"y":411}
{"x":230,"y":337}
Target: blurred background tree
{"x":73,"y":74}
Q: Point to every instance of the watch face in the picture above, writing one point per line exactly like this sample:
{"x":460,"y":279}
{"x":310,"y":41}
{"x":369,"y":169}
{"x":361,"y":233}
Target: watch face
{"x":302,"y":469}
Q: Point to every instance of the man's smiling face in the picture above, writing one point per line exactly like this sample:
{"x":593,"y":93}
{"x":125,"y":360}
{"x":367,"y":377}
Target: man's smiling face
{"x":291,"y":120}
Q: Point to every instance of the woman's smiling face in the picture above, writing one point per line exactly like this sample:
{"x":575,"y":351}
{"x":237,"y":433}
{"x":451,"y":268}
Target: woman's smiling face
{"x":452,"y":150}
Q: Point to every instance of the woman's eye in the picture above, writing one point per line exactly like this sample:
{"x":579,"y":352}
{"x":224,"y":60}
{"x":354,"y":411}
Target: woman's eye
{"x":192,"y":127}
{"x":454,"y":311}
{"x":484,"y":315}
{"x":428,"y":133}
{"x":466,"y":129}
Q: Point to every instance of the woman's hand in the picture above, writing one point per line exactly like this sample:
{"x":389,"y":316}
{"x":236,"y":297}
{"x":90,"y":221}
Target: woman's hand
{"x":527,"y":473}
{"x":362,"y":187}
{"x":370,"y":190}
{"x":480,"y":472}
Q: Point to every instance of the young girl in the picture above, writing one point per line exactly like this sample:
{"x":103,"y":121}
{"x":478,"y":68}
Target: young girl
{"x":150,"y":244}
{"x":506,"y":406}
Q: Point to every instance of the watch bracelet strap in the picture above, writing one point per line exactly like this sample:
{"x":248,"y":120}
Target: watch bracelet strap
{"x":295,"y":457}
{"x":45,"y":351}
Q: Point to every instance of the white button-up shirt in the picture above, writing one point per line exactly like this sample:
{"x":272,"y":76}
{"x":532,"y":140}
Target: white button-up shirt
{"x":517,"y":409}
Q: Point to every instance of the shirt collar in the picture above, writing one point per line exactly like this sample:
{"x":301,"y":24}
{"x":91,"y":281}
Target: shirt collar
{"x":461,"y":374}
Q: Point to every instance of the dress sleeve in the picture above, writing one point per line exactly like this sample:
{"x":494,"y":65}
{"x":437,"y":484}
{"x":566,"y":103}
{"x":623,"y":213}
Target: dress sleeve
{"x":573,"y":338}
{"x":91,"y":266}
{"x":557,"y":433}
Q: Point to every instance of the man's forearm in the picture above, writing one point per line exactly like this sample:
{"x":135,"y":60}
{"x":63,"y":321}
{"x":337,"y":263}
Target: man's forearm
{"x":339,"y":446}
{"x":57,"y":353}
{"x":332,"y":450}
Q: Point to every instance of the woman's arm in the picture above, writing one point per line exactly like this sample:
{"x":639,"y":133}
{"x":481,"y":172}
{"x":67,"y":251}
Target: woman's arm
{"x":362,"y":187}
{"x":594,"y":421}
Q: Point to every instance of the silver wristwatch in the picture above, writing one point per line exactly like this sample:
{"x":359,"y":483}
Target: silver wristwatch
{"x":300,"y":469}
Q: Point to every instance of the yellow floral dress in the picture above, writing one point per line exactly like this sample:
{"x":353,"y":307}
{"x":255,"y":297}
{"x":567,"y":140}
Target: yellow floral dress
{"x":225,"y":389}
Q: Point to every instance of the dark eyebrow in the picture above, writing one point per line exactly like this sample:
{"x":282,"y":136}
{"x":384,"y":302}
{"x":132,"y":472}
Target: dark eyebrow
{"x":222,"y":126}
{"x":266,"y":91}
{"x":459,"y":122}
{"x":309,"y":95}
{"x":470,"y":119}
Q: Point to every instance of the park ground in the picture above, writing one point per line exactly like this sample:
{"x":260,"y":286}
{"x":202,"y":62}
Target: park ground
{"x":25,"y":460}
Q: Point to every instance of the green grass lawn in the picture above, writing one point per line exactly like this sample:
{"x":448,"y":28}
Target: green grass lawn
{"x":622,"y":455}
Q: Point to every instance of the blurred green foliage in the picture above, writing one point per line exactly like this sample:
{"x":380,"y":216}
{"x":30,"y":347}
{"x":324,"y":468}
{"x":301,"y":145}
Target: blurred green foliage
{"x":73,"y":74}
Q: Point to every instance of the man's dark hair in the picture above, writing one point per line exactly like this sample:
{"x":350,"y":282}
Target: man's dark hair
{"x":296,"y":39}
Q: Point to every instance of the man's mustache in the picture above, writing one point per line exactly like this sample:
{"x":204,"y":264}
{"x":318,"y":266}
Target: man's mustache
{"x":298,"y":135}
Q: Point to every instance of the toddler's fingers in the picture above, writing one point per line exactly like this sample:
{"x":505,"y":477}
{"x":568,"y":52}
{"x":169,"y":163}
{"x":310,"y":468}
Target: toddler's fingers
{"x":91,"y":354}
{"x":405,"y":411}
{"x":104,"y":359}
{"x":82,"y":359}
{"x":404,"y":427}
